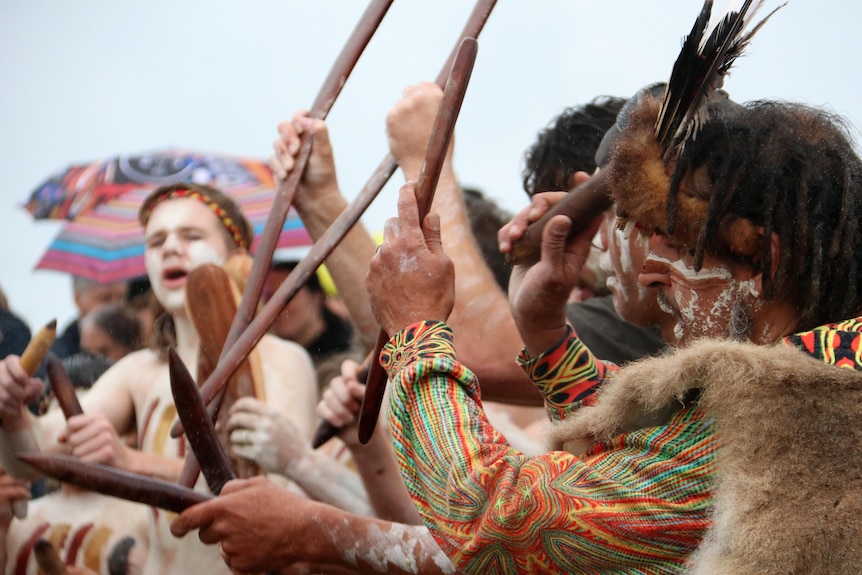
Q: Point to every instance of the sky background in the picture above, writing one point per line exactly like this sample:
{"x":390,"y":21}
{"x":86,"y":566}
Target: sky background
{"x":87,"y":79}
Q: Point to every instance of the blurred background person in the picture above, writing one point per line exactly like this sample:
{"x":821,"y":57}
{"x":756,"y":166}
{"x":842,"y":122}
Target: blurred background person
{"x":307,"y":318}
{"x":87,"y":295}
{"x":14,"y":332}
{"x":111,"y":331}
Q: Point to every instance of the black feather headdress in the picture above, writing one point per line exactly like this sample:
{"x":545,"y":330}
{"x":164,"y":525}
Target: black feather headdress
{"x":654,"y":127}
{"x":699,"y":71}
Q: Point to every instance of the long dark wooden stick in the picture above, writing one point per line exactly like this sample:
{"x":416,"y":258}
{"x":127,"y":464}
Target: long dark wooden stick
{"x":474,"y":26}
{"x":441,"y":136}
{"x":335,"y":80}
{"x":324,"y":246}
{"x":114,"y":482}
{"x":326,"y":97}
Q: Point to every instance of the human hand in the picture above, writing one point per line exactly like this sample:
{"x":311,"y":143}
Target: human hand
{"x":12,"y":490}
{"x":341,"y":402}
{"x":538,"y":293}
{"x":17,"y":388}
{"x":92,"y":438}
{"x":409,"y":124}
{"x":319,"y":175}
{"x":258,"y":526}
{"x":264,"y":435}
{"x":410,"y":278}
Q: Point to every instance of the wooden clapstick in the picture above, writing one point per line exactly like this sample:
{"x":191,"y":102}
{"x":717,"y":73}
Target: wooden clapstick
{"x":33,"y":355}
{"x":38,"y":347}
{"x":582,"y":205}
{"x":211,"y":303}
{"x":48,"y":559}
{"x":438,"y":144}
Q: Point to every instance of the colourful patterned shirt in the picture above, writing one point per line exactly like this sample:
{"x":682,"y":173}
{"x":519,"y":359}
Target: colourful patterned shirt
{"x":635,"y":505}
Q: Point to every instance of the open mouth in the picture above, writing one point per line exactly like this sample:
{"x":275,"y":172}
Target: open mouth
{"x":174,"y":277}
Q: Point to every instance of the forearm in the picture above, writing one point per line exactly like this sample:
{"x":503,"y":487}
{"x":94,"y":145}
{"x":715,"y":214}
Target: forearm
{"x":19,"y":435}
{"x":152,"y":464}
{"x":379,"y":471}
{"x":487,"y":339}
{"x":348,"y":263}
{"x":327,"y":481}
{"x":376,"y":546}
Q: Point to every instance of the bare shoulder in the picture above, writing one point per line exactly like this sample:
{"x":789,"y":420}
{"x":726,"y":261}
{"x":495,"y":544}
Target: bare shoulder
{"x":274,"y":349}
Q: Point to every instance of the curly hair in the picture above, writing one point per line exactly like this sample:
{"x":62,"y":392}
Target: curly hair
{"x":791,"y":170}
{"x":568,"y":145}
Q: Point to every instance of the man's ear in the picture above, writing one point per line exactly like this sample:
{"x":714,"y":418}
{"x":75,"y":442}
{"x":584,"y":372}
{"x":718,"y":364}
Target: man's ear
{"x":577,"y":179}
{"x":774,"y":253}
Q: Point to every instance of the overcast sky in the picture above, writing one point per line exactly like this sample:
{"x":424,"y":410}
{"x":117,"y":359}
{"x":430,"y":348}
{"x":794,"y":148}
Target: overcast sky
{"x":91,"y":78}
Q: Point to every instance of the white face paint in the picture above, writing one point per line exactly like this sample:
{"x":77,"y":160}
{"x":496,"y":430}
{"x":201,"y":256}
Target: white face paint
{"x":710,"y":302}
{"x":623,"y":258}
{"x":181,"y":234}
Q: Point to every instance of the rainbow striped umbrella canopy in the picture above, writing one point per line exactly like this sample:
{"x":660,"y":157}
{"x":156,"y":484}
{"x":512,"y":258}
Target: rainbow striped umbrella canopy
{"x":103,"y":240}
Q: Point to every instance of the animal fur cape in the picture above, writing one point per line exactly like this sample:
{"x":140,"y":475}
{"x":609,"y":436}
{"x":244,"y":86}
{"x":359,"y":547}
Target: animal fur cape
{"x":788,"y":494}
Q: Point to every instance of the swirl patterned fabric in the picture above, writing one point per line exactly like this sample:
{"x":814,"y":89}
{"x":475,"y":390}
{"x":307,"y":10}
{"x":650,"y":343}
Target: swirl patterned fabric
{"x":637,"y":505}
{"x":834,"y":343}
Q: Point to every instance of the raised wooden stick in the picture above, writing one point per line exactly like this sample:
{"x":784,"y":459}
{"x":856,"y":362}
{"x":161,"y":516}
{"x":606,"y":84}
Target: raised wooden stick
{"x":324,"y":246}
{"x":326,"y":97}
{"x":441,"y":135}
{"x":114,"y":482}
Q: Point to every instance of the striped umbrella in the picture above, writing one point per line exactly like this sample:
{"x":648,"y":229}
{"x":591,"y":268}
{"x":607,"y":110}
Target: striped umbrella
{"x":103,"y":240}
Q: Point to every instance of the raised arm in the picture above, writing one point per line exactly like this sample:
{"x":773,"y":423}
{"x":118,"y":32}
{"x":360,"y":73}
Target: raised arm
{"x":319,"y":202}
{"x":488,"y":340}
{"x":375,"y":460}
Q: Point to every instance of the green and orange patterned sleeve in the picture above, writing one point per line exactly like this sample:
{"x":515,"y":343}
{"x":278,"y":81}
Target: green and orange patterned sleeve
{"x":568,"y":375}
{"x":638,"y":504}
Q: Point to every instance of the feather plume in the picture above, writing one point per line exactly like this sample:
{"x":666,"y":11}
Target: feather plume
{"x":699,"y":71}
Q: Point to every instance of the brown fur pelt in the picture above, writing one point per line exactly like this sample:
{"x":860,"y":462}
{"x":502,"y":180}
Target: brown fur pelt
{"x":788,"y":496}
{"x":639,"y":181}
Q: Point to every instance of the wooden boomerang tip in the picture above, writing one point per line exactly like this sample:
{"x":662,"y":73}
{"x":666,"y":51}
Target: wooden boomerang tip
{"x":200,"y":431}
{"x":64,"y":391}
{"x":115,"y":482}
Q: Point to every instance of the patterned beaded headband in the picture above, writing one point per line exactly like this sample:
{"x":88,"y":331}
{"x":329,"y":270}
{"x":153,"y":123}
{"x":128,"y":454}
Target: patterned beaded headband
{"x":226,"y":220}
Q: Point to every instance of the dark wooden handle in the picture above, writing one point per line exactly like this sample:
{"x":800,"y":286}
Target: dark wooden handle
{"x":583,"y":204}
{"x":213,"y":459}
{"x":63,"y":388}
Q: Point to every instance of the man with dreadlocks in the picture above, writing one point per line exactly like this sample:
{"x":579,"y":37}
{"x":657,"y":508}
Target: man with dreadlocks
{"x":761,"y":242}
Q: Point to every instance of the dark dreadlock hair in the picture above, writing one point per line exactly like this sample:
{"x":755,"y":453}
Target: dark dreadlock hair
{"x":568,"y":145}
{"x":791,"y":170}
